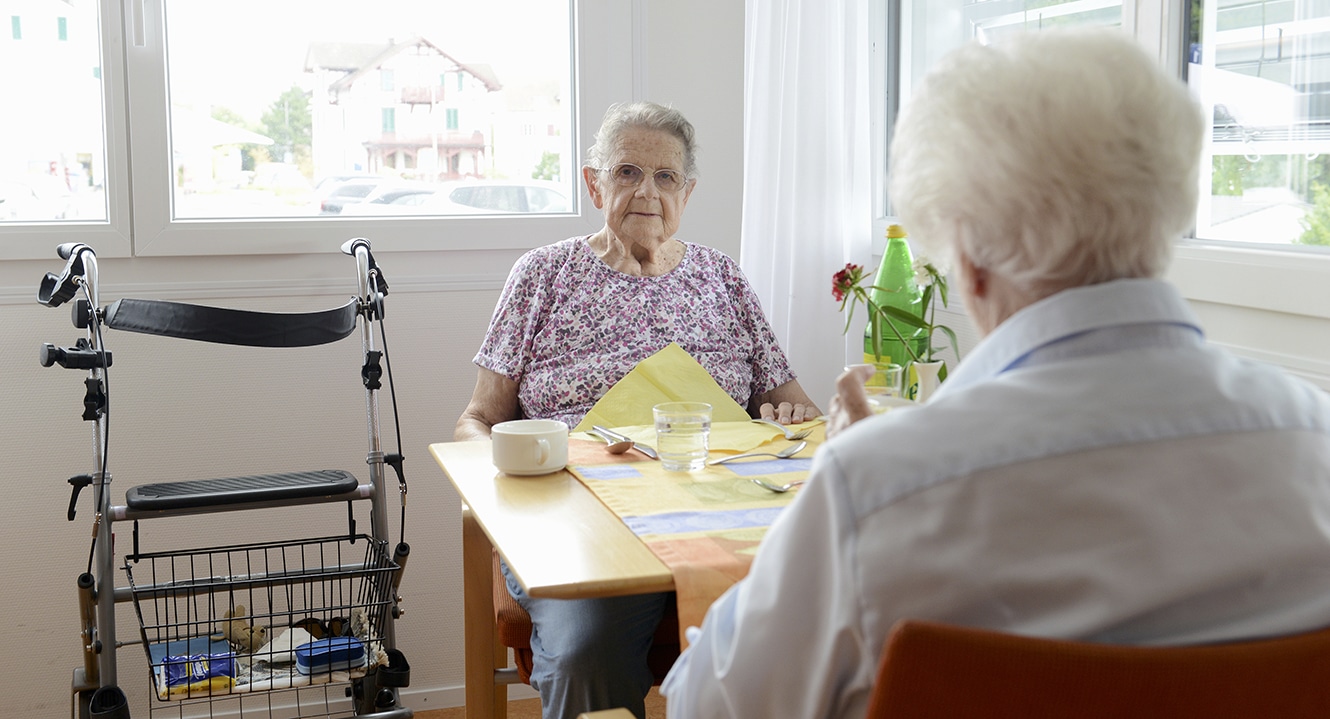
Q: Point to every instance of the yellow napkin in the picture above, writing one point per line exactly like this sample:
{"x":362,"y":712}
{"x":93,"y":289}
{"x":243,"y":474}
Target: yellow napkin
{"x":670,"y":375}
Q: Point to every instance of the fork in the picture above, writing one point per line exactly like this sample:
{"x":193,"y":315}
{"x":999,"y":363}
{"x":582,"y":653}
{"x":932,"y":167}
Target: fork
{"x":786,"y":453}
{"x":789,"y":433}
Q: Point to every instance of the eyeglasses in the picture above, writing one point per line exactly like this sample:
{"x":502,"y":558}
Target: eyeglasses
{"x":627,"y":174}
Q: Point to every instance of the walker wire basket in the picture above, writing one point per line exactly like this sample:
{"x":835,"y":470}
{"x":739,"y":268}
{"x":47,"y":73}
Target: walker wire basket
{"x":249,"y":623}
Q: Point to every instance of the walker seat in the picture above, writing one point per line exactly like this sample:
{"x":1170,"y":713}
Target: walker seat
{"x":236,"y":490}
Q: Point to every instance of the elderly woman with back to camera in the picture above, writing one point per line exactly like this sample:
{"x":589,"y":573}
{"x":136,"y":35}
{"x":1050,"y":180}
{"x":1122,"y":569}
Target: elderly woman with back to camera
{"x":1093,"y":469}
{"x":573,"y":319}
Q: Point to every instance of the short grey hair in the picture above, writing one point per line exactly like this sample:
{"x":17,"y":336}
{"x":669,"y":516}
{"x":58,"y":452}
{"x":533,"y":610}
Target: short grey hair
{"x":642,"y":115}
{"x":1057,"y":159}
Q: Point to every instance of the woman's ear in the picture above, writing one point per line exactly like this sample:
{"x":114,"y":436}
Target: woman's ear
{"x":590,"y":178}
{"x":975,"y":288}
{"x":974,"y":280}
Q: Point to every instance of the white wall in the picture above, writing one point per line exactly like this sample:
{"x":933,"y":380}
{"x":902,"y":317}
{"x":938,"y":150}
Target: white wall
{"x":183,"y":410}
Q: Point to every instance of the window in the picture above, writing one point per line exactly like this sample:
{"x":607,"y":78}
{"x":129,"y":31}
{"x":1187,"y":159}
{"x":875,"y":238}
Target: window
{"x":1260,"y":70}
{"x":1257,"y":265}
{"x":62,"y":29}
{"x":311,"y":95}
{"x":16,"y":27}
{"x":229,"y":153}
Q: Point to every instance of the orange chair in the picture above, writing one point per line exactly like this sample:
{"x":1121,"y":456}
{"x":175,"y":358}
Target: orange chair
{"x":513,"y":626}
{"x":931,"y":670}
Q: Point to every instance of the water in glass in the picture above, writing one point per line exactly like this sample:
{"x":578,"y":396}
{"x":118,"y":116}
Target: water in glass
{"x":682,"y":430}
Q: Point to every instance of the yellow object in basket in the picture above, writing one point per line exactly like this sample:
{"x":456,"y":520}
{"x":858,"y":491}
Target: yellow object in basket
{"x":200,"y":688}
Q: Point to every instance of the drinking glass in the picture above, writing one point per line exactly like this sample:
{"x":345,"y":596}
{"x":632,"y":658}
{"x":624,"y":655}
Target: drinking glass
{"x":884,"y":386}
{"x":682,"y":431}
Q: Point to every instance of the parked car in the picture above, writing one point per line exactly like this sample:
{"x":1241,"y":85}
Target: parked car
{"x":466,"y":197}
{"x":325,"y":182}
{"x":391,"y":199}
{"x":338,"y":196}
{"x":497,"y":196}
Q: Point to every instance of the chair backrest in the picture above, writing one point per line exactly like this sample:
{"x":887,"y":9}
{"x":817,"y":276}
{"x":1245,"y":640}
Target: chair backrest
{"x":935,"y":670}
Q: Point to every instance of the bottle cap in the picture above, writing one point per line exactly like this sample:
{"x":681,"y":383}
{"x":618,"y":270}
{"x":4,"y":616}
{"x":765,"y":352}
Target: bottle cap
{"x":894,"y":231}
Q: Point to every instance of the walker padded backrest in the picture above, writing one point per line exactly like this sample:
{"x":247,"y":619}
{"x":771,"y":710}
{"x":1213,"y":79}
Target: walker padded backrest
{"x":232,"y":327}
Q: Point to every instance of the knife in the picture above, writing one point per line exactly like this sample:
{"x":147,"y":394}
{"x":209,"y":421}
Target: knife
{"x":610,"y":434}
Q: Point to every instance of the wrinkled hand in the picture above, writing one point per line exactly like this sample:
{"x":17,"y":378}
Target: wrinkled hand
{"x":851,"y":402}
{"x":787,"y":413}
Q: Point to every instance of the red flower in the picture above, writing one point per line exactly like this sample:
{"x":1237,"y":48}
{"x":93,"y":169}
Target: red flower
{"x":845,"y":280}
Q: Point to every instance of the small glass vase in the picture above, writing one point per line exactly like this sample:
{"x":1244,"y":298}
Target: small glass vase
{"x":924,"y":379}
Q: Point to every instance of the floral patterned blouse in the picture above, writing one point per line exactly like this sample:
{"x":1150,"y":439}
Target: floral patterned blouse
{"x":567,"y":327}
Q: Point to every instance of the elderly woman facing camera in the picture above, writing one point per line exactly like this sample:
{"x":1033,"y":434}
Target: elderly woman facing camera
{"x":573,"y":319}
{"x":1093,"y":469}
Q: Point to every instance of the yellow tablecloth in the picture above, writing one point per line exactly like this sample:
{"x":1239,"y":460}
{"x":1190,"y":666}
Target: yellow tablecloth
{"x":704,"y":525}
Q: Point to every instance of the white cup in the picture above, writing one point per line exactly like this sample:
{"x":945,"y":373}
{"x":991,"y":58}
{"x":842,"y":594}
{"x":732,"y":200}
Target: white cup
{"x":530,"y":446}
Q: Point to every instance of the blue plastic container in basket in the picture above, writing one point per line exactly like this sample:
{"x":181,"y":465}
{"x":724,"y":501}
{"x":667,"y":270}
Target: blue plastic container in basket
{"x":330,"y":655}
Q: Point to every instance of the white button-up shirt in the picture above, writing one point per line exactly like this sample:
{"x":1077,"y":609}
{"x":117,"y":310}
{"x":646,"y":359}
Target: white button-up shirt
{"x":1092,"y":470}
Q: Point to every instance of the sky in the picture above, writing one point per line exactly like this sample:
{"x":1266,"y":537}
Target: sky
{"x":244,"y":53}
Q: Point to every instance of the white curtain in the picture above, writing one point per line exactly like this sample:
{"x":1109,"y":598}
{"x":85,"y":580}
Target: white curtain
{"x":807,"y":205}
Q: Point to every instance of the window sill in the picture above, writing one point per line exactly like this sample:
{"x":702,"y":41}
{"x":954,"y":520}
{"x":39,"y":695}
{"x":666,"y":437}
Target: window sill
{"x":1287,"y":282}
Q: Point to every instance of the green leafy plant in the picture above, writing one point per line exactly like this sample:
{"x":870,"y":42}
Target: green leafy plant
{"x":849,"y":289}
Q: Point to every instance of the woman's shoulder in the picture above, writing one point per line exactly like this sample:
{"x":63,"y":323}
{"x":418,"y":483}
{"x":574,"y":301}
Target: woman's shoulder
{"x":707,"y":258}
{"x":563,"y":249}
{"x":709,"y":263}
{"x":553,"y":257}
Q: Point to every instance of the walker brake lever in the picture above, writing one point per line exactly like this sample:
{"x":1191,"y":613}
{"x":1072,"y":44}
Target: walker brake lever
{"x":78,"y":482}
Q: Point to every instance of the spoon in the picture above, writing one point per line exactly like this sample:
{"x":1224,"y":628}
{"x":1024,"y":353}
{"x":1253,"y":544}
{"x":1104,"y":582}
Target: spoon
{"x":786,"y":453}
{"x":613,"y":437}
{"x":614,"y":446}
{"x":778,"y":488}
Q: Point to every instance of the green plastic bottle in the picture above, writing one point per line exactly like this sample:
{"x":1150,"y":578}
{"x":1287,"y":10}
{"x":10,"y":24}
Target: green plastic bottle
{"x":897,"y":275}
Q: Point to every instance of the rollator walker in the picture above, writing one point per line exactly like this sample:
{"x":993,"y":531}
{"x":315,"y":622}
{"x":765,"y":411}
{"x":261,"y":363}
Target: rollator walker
{"x":292,"y":628}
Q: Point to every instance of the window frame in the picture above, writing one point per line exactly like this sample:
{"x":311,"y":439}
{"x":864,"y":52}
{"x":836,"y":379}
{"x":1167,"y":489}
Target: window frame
{"x":1284,"y":280}
{"x":139,"y":195}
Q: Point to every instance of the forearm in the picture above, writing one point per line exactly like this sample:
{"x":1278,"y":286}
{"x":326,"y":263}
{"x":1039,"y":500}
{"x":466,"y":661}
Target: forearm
{"x":471,"y":427}
{"x":494,"y":401}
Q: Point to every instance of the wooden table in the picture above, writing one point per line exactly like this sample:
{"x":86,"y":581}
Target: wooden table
{"x":558,"y":539}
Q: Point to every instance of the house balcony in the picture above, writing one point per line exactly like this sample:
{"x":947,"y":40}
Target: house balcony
{"x":443,"y":140}
{"x":422,"y":94}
